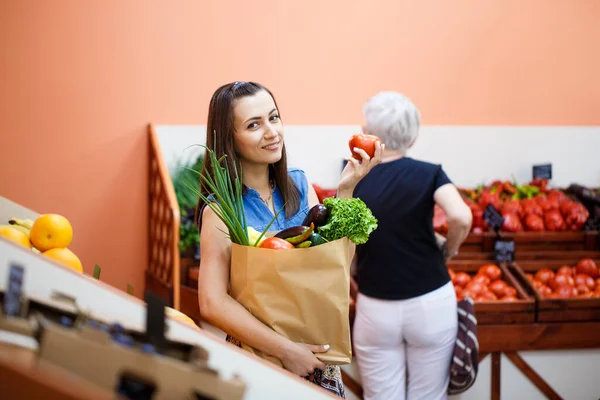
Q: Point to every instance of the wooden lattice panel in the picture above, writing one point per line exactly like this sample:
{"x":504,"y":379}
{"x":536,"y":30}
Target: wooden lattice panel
{"x":163,"y":225}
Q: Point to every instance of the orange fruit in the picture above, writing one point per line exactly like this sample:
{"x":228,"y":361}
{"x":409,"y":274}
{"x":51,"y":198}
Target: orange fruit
{"x":51,"y":231}
{"x":66,"y":257}
{"x":15,"y":235}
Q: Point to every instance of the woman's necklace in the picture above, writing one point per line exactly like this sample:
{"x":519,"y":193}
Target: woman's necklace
{"x":268,"y":199}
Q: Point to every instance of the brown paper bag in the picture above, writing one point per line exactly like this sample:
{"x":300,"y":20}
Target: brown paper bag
{"x":303,"y":294}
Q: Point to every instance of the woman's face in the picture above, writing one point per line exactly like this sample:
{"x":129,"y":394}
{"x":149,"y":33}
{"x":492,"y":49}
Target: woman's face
{"x":258,"y":130}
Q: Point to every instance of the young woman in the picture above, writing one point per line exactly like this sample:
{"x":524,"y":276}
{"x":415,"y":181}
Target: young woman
{"x":245,"y":124}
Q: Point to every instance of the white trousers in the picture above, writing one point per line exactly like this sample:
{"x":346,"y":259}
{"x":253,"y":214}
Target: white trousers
{"x":396,"y":341}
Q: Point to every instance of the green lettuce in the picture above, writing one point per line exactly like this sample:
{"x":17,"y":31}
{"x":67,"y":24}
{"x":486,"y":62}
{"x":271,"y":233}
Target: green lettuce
{"x":348,"y":218}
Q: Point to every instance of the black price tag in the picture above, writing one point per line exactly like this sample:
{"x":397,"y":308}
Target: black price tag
{"x":504,"y":250}
{"x":542,"y":171}
{"x":12,"y":298}
{"x":493,"y":218}
{"x":155,"y":319}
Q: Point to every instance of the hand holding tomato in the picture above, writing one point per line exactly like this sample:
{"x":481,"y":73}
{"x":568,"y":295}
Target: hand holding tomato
{"x":355,"y":170}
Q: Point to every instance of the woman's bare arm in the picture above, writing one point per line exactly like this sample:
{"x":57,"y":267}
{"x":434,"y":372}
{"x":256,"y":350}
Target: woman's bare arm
{"x":458,"y":214}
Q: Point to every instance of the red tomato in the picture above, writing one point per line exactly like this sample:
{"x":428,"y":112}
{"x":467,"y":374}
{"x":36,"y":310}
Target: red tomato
{"x":488,"y":296}
{"x":509,"y":298}
{"x":565,"y":270}
{"x":512,"y":207}
{"x":554,"y":221}
{"x":491,"y":271}
{"x":583,"y":289}
{"x":462,"y":279}
{"x":276,"y":244}
{"x":483,"y":279}
{"x":530,"y":206}
{"x":498,"y":287}
{"x":584,"y":280}
{"x":561,"y":280}
{"x":587,"y":266}
{"x":365,"y":142}
{"x":534,"y":222}
{"x":544,"y":290}
{"x":452,"y":274}
{"x":458,"y":290}
{"x":476,"y":288}
{"x":529,"y":277}
{"x":544,"y":275}
{"x":510,"y":291}
{"x":564,"y":292}
{"x":512,"y":223}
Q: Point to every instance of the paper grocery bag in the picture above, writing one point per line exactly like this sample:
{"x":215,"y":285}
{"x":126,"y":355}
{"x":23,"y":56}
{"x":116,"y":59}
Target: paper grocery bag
{"x":303,"y":294}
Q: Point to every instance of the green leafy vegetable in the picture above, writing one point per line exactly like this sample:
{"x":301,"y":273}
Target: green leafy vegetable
{"x":348,"y":217}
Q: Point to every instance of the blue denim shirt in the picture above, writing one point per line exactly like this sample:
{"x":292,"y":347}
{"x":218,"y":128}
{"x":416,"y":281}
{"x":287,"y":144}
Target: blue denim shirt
{"x":258,"y":215}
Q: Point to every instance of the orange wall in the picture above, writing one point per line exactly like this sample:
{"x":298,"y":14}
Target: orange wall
{"x":80,"y":81}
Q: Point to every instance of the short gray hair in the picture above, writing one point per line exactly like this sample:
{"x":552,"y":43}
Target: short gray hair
{"x":393,"y":118}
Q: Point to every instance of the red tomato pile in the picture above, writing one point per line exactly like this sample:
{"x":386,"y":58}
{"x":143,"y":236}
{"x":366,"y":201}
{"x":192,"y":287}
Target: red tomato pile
{"x":580,"y":281}
{"x":486,"y":285}
{"x":532,"y":207}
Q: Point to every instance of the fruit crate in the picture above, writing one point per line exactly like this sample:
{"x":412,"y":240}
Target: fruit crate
{"x":521,"y":310}
{"x":557,"y":309}
{"x":546,"y":241}
{"x":475,"y":243}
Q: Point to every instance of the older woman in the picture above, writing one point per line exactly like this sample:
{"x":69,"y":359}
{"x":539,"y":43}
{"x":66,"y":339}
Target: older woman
{"x":406,"y":319}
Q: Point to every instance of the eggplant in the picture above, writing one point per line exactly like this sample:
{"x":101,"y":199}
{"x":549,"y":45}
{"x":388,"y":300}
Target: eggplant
{"x":584,"y":194}
{"x":296,"y":234}
{"x":317,"y":215}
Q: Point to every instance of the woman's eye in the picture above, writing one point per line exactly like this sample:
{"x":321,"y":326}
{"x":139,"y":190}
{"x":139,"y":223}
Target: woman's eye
{"x":253,"y":125}
{"x":275,"y":117}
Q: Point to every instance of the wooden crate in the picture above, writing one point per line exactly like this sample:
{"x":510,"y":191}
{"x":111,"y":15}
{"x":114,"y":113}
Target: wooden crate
{"x":530,"y":255}
{"x":499,"y":312}
{"x":546,"y":241}
{"x":556,"y":310}
{"x":474,"y":243}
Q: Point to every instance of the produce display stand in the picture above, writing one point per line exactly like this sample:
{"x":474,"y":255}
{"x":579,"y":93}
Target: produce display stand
{"x":65,"y":334}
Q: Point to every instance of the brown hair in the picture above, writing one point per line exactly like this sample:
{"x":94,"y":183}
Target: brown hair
{"x":220,"y":139}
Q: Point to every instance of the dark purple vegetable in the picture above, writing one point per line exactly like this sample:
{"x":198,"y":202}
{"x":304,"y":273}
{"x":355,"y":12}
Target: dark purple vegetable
{"x":317,"y":215}
{"x":296,"y":234}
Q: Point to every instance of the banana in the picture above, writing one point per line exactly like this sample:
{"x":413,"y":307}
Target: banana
{"x":25,"y":223}
{"x":19,"y":228}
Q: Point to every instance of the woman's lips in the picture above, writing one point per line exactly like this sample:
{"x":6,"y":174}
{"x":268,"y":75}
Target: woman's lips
{"x":273,"y":146}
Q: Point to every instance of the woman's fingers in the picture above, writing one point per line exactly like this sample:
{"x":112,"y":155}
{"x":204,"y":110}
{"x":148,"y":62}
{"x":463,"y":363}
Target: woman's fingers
{"x":318,"y":348}
{"x":365,"y":157}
